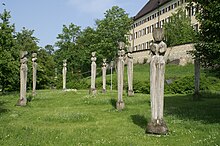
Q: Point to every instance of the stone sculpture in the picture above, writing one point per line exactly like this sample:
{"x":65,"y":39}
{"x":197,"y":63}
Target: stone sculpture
{"x":64,"y":73}
{"x":93,"y":73}
{"x":23,"y":79}
{"x":104,"y":66}
{"x":130,"y":72}
{"x":34,"y":66}
{"x":120,"y":74}
{"x":157,"y":70}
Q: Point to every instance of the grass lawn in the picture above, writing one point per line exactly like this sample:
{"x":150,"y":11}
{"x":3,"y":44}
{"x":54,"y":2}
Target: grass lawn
{"x":62,"y":118}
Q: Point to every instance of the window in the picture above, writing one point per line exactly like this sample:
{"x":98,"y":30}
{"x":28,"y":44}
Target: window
{"x":143,"y":46}
{"x":148,"y":45}
{"x":140,"y":33}
{"x":144,"y":31}
{"x":152,"y":28}
{"x":175,"y":5}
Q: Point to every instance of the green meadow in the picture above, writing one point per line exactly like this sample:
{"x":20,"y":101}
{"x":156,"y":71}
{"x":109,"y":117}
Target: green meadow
{"x":60,"y":118}
{"x":55,"y":117}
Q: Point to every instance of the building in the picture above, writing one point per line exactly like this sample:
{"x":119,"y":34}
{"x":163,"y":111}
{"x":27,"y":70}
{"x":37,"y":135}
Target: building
{"x":155,"y":13}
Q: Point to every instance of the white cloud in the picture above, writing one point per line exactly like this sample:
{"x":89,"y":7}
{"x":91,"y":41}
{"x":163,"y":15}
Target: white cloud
{"x":91,"y":6}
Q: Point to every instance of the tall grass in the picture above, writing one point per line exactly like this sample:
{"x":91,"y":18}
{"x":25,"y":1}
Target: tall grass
{"x":76,"y":118}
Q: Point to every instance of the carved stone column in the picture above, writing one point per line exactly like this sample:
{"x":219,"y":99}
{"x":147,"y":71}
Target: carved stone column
{"x":104,"y":76}
{"x":157,"y":70}
{"x":120,"y":74}
{"x":130,"y":73}
{"x":64,"y":74}
{"x":93,"y":73}
{"x":23,"y":79}
{"x":34,"y":66}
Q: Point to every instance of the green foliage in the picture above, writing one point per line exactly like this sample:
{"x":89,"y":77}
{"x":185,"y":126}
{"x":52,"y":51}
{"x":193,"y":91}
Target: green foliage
{"x":208,"y":47}
{"x":25,"y":40}
{"x":111,"y":30}
{"x":76,"y":46}
{"x":67,"y":48}
{"x":179,"y":30}
{"x":45,"y":70}
{"x":55,"y":117}
{"x":142,"y":87}
{"x":9,"y":55}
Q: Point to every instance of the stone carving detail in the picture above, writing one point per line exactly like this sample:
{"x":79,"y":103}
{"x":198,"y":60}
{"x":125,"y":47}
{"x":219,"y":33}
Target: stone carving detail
{"x":93,"y":73}
{"x":34,"y":66}
{"x":104,"y":66}
{"x":23,"y":79}
{"x":130,"y":73}
{"x":120,"y":74}
{"x":157,"y":71}
{"x":64,"y":73}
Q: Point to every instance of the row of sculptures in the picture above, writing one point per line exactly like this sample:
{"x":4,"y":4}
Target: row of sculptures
{"x":157,"y":70}
{"x":157,"y":124}
{"x":23,"y":77}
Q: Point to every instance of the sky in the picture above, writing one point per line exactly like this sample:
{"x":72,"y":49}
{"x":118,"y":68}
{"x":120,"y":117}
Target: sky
{"x":47,"y":17}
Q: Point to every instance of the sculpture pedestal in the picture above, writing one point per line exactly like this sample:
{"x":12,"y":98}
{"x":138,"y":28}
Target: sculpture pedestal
{"x":120,"y":105}
{"x":130,"y":93}
{"x":21,"y":102}
{"x":157,"y":127}
{"x":103,"y":90}
{"x":93,"y":91}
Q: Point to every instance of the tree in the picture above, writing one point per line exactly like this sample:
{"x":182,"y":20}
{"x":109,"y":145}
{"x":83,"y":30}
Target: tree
{"x":208,"y":47}
{"x":26,"y":41}
{"x":49,"y":49}
{"x":87,"y":43}
{"x":111,"y":30}
{"x":9,"y":55}
{"x":179,"y":30}
{"x":45,"y":69}
{"x":67,"y":47}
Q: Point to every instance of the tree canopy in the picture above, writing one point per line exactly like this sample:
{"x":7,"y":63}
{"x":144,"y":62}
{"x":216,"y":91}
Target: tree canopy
{"x":9,"y":54}
{"x":76,"y":45}
{"x":179,"y":30}
{"x":208,"y":47}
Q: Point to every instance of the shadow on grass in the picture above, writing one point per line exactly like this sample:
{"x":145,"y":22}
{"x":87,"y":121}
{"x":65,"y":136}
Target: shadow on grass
{"x":2,"y":109}
{"x":113,"y":102}
{"x":139,"y":120}
{"x":207,"y":109}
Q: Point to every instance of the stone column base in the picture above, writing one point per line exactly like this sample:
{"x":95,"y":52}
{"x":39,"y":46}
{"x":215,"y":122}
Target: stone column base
{"x":120,"y":105}
{"x":157,"y":127}
{"x":34,"y":93}
{"x":103,"y":90}
{"x":92,"y":91}
{"x":130,"y":93}
{"x":21,"y":102}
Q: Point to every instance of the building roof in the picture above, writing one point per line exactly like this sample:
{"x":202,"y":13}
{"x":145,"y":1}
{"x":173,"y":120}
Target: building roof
{"x":150,"y":6}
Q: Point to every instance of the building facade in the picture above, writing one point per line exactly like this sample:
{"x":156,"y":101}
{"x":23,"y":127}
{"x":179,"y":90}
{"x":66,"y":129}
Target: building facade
{"x":156,"y":13}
